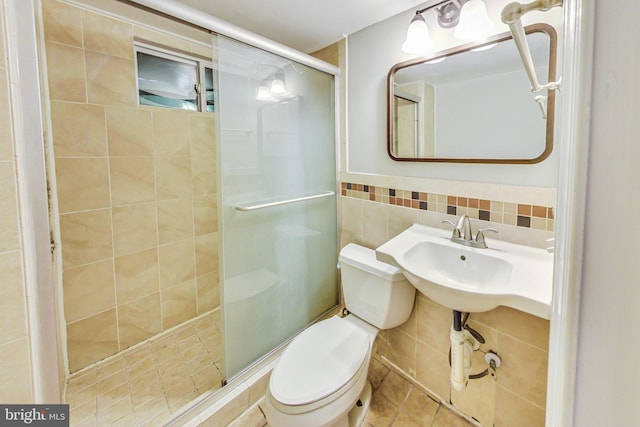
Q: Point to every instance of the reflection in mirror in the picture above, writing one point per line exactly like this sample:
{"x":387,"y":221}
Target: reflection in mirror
{"x":474,"y":107}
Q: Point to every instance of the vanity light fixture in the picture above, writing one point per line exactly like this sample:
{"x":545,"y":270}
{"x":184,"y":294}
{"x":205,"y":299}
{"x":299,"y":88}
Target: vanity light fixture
{"x":469,"y":17}
{"x":418,"y":39}
{"x":474,"y":22}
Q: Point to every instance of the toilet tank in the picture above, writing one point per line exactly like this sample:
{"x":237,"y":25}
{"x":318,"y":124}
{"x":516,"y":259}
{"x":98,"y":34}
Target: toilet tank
{"x":374,"y":291}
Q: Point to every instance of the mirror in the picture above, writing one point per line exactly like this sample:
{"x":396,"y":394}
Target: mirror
{"x":473,"y":103}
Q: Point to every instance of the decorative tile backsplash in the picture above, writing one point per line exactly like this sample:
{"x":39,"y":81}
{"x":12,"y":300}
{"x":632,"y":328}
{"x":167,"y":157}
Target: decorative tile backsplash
{"x":521,"y":215}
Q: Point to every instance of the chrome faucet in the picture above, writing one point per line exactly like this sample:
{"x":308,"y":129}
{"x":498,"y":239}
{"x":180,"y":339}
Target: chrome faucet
{"x":462,"y":233}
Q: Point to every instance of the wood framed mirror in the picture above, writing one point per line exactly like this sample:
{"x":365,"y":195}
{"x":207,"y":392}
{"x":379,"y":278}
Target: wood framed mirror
{"x":473,"y":103}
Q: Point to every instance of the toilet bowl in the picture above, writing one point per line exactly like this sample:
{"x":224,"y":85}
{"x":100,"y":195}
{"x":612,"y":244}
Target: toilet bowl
{"x":321,"y":377}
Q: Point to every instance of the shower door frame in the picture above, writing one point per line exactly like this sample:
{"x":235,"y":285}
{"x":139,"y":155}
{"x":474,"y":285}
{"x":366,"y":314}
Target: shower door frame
{"x":245,"y":207}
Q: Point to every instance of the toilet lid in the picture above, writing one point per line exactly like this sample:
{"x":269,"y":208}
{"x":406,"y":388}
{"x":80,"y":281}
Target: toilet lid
{"x":319,"y":361}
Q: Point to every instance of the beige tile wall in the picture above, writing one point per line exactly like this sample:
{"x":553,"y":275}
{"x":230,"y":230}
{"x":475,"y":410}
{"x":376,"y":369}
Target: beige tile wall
{"x":420,"y":347}
{"x":136,"y":189}
{"x":15,"y":355}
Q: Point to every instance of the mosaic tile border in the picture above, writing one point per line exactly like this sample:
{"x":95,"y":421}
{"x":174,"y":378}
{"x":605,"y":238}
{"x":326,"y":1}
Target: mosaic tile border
{"x":517,"y":214}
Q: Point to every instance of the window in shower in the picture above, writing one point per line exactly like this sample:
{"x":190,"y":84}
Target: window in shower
{"x":168,"y":79}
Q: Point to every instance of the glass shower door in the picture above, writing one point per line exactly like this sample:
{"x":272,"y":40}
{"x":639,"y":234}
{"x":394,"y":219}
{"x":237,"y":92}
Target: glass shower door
{"x":278,"y":213}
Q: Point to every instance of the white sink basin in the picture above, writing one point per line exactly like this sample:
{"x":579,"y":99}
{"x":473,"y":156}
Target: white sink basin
{"x":471,"y":279}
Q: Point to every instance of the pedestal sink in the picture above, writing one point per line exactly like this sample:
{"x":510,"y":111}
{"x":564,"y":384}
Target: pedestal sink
{"x":472,"y":279}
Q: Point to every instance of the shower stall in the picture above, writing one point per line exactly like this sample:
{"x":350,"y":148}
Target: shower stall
{"x":197,"y":225}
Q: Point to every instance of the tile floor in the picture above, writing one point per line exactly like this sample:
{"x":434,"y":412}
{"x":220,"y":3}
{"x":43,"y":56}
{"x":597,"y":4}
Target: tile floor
{"x":144,"y":385}
{"x":395,"y":403}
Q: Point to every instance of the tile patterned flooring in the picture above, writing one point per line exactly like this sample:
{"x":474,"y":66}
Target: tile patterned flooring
{"x":144,"y":385}
{"x":395,"y":402}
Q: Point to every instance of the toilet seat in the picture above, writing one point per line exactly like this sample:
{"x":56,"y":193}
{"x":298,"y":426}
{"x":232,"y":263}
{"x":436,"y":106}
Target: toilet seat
{"x":320,"y":364}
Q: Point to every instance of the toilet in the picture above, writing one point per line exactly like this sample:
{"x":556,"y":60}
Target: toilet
{"x":321,"y":377}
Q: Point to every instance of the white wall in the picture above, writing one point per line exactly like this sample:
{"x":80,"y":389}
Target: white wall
{"x":608,"y":377}
{"x":371,"y":53}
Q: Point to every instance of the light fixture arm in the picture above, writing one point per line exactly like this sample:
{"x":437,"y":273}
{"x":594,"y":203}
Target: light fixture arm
{"x":511,"y":15}
{"x":445,"y":21}
{"x":421,"y":11}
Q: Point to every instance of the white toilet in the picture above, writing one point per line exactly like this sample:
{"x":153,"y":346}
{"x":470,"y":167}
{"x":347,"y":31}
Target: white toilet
{"x":321,"y":377}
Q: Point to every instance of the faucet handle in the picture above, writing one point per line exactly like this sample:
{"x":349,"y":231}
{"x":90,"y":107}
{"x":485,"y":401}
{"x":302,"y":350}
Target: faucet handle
{"x":456,"y":229}
{"x":480,"y":235}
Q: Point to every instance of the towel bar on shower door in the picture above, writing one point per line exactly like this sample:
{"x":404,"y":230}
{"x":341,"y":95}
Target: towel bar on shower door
{"x":244,"y":207}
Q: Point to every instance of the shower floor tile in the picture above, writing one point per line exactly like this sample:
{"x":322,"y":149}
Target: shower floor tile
{"x":144,"y":385}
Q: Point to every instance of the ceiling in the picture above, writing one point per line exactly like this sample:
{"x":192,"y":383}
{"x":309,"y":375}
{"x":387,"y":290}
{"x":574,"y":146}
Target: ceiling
{"x":305,"y":25}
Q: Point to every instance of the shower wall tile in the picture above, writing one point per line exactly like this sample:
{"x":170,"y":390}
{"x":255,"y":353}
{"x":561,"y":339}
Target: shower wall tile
{"x":83,"y":183}
{"x":92,"y":339}
{"x":110,"y":80}
{"x":86,"y":237}
{"x":62,"y":23}
{"x":15,"y":372}
{"x":138,"y":221}
{"x":175,"y":220}
{"x":173,"y":177}
{"x":12,"y":304}
{"x":205,"y":215}
{"x":106,"y":35}
{"x":129,"y":132}
{"x":88,"y":290}
{"x":204,"y":176}
{"x":208,"y":292}
{"x":66,"y":73}
{"x":132,"y":180}
{"x":203,"y":136}
{"x":179,"y":304}
{"x":136,"y":275}
{"x":206,"y":253}
{"x":171,"y":133}
{"x":177,"y":263}
{"x":134,"y":228}
{"x":79,"y":130}
{"x":161,"y":38}
{"x":139,"y":320}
